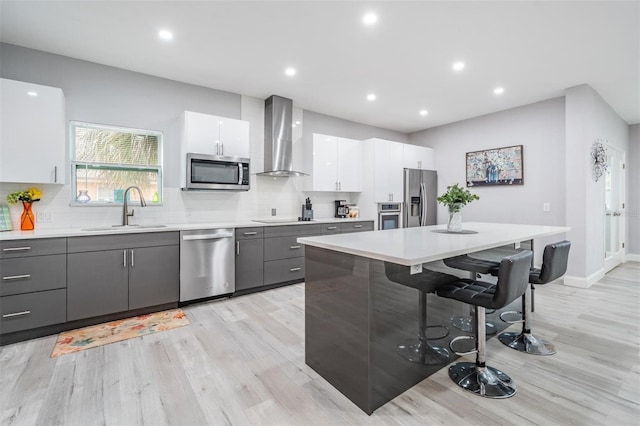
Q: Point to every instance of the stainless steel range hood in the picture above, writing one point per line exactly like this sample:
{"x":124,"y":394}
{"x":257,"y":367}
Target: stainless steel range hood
{"x":278,"y":138}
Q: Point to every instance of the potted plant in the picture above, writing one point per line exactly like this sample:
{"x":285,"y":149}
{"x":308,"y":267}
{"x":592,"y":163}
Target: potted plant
{"x":28,"y":197}
{"x":455,"y":198}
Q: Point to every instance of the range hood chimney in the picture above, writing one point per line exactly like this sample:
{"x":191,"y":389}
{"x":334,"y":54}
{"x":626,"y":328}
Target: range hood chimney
{"x":278,"y":138}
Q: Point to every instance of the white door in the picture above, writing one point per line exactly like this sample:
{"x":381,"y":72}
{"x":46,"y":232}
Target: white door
{"x":325,"y":163}
{"x":202,"y":133}
{"x":614,"y":209}
{"x":396,"y":172}
{"x":349,"y":165}
{"x":234,"y":137}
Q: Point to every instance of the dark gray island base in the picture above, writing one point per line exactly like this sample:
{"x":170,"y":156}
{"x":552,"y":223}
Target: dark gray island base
{"x":355,"y":318}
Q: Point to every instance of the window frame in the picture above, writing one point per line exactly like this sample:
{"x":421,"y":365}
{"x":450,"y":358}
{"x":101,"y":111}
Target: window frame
{"x":74,"y":164}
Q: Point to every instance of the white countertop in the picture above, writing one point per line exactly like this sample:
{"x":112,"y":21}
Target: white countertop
{"x":108,"y":230}
{"x":414,"y":246}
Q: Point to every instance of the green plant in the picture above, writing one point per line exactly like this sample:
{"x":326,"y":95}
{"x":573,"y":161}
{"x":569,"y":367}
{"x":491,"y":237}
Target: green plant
{"x":456,"y":197}
{"x":30,"y":195}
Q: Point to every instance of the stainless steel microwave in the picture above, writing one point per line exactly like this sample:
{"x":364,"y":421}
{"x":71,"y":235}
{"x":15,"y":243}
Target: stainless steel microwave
{"x":217,"y":172}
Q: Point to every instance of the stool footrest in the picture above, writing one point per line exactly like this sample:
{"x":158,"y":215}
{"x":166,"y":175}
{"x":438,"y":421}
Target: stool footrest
{"x":445,"y":332}
{"x":511,"y":321}
{"x":456,"y":339}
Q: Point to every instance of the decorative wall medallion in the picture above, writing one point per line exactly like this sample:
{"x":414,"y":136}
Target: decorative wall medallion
{"x":599,"y":155}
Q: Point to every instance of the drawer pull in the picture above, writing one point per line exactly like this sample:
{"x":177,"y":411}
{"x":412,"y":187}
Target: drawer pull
{"x":294,"y":247}
{"x":16,"y":249}
{"x":332,"y":227}
{"x":16,"y":277}
{"x":16,"y":314}
{"x":357,"y":226}
{"x":295,"y":269}
{"x":250,"y":233}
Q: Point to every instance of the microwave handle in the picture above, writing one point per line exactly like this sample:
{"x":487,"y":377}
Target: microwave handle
{"x":240,"y":174}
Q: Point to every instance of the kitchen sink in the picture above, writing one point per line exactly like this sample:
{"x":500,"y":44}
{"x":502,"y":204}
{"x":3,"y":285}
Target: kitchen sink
{"x":282,"y":220}
{"x":123,"y":227}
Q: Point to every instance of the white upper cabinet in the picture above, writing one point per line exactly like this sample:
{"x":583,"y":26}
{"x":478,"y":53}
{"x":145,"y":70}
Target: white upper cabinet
{"x":213,"y":135}
{"x":387,"y":166}
{"x":336,"y":164}
{"x":418,"y":157}
{"x":32,"y":136}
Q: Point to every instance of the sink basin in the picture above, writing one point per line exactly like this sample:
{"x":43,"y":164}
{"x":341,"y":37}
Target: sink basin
{"x":123,"y":227}
{"x":283,"y":220}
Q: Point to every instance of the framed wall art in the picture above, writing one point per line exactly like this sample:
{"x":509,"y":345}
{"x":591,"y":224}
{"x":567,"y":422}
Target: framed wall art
{"x":498,"y":166}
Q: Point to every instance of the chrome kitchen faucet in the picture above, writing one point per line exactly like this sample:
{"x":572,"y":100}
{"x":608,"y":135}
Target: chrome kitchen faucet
{"x":125,"y":212}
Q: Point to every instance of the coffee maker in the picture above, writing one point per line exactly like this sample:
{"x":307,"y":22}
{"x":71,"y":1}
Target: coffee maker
{"x":307,"y":210}
{"x":342,"y":210}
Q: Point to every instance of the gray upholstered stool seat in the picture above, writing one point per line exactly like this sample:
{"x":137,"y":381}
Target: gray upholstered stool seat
{"x":419,"y":350}
{"x":554,"y":265}
{"x":478,"y":377}
{"x":474,"y":266}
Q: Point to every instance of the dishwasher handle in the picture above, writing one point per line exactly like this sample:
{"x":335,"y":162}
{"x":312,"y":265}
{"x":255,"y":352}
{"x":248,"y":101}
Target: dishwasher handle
{"x":207,"y":236}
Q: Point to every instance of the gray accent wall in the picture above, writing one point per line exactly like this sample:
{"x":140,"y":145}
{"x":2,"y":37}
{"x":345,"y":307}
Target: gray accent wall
{"x":633,"y":199}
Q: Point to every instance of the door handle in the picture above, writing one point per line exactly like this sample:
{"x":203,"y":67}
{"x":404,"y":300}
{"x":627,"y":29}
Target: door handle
{"x":124,"y":258}
{"x":207,"y":237}
{"x":132,"y":265}
{"x":237,"y":248}
{"x":16,"y":314}
{"x":16,"y":249}
{"x":294,"y":247}
{"x":16,"y":277}
{"x":295,"y":269}
{"x":250,"y":233}
{"x":357,"y":226}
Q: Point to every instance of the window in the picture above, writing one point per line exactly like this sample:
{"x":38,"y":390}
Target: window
{"x":106,"y":160}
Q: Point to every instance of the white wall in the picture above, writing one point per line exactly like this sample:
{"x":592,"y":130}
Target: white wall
{"x":633,"y":196}
{"x":540,"y":129}
{"x":588,"y":117}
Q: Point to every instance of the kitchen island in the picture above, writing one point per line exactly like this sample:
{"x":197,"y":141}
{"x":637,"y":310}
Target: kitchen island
{"x":355,"y":318}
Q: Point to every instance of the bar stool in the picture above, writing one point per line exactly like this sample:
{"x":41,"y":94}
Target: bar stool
{"x":554,"y":265}
{"x":478,"y":377}
{"x":419,"y":350}
{"x":474,"y":266}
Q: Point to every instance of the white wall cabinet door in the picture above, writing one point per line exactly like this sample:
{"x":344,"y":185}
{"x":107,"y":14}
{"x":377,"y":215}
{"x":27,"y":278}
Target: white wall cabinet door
{"x":349,"y":157}
{"x":388,"y":168}
{"x":324,"y":176}
{"x":201,"y":133}
{"x":32,"y":137}
{"x":234,"y":137}
{"x":418,"y":157}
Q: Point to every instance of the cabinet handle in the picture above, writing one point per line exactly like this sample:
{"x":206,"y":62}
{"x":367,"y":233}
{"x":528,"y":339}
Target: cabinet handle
{"x":16,"y":249}
{"x":16,"y":314}
{"x":238,"y":248}
{"x":17,"y":277}
{"x":221,"y":149}
{"x":55,"y":174}
{"x":331,"y":228}
{"x":295,"y":269}
{"x":419,"y":164}
{"x":250,"y":233}
{"x":124,"y":258}
{"x":132,"y":258}
{"x":294,"y":247}
{"x":340,"y":186}
{"x":357,"y":226}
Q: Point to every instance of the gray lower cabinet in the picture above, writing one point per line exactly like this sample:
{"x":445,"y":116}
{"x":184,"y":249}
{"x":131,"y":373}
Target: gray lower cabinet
{"x":30,"y":310}
{"x":249,"y":258}
{"x":116,"y":273}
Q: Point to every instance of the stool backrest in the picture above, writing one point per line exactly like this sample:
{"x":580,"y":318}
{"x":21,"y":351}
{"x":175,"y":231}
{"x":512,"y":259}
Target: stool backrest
{"x":513,"y":278}
{"x":554,"y":261}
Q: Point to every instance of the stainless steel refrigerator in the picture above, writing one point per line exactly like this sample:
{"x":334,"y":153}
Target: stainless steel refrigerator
{"x":420,"y":197}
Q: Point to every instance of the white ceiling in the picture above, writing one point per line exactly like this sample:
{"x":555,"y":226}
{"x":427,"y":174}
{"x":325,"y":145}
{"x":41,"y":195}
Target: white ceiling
{"x":534,"y":50}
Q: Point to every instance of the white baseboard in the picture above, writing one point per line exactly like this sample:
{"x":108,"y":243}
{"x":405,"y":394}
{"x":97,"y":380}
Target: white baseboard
{"x":582,"y":282}
{"x":632,"y":257}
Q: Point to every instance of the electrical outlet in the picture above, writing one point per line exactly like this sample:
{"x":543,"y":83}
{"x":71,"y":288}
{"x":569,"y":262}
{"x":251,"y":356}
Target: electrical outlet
{"x":415,"y":269}
{"x":546,"y":207}
{"x":273,"y":212}
{"x":43,"y":217}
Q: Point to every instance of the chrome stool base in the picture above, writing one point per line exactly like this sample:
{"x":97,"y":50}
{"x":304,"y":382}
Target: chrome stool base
{"x":528,"y":343}
{"x":466,"y":324}
{"x":420,"y":352}
{"x":484,"y":381}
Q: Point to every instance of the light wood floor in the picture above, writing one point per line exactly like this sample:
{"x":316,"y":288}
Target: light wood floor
{"x":241,"y":362}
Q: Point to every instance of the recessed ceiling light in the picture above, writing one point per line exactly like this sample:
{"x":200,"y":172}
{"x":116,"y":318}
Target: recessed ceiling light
{"x":290,"y":71}
{"x":32,"y":93}
{"x":498,"y":91}
{"x":458,"y":66}
{"x":165,"y":35}
{"x":371,"y":97}
{"x":423,"y":112}
{"x":370,"y":18}
{"x":297,"y":122}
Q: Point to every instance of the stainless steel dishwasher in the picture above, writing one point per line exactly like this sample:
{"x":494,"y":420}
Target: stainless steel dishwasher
{"x":207,"y":263}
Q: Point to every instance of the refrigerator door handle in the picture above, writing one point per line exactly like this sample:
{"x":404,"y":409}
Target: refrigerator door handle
{"x":423,"y":204}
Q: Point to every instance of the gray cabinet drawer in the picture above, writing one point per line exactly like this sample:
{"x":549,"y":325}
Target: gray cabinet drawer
{"x":331,"y":228}
{"x":279,"y":271}
{"x":249,"y":233}
{"x":25,"y":311}
{"x":112,"y":242}
{"x":282,"y":248}
{"x":29,"y":274}
{"x":356,"y":226}
{"x":37,"y":247}
{"x":291,"y":230}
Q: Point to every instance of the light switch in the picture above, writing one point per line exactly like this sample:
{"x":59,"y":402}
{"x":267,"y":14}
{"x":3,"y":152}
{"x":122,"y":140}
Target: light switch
{"x":546,"y":207}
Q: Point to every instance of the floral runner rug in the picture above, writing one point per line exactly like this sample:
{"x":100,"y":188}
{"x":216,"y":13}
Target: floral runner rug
{"x":116,"y":331}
